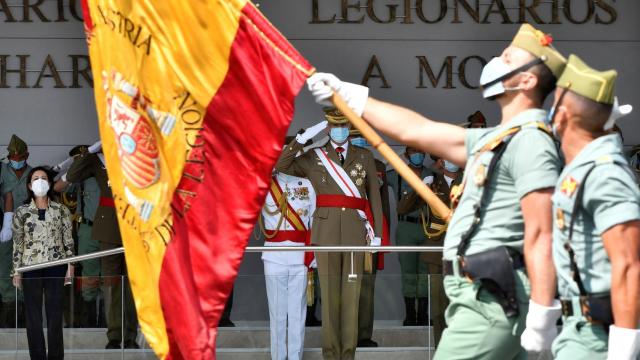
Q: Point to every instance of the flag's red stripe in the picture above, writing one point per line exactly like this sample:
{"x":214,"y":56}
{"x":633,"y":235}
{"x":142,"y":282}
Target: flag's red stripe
{"x":244,"y":129}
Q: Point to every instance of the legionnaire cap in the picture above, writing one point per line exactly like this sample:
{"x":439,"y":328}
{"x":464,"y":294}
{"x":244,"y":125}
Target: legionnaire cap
{"x":539,"y":44}
{"x":16,"y":146}
{"x":79,"y":149}
{"x":334,"y":116}
{"x":595,"y":85}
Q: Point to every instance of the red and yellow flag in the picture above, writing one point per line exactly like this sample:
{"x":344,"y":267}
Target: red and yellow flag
{"x":193,"y":99}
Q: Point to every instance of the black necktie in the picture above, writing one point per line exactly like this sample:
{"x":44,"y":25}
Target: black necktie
{"x":340,"y":150}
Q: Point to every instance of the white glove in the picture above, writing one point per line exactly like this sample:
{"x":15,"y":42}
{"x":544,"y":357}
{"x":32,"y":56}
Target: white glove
{"x":6,"y":234}
{"x":624,"y":344}
{"x":428,"y":180}
{"x":322,"y":86}
{"x":63,"y":166}
{"x":376,"y":241}
{"x":314,"y":264}
{"x":311,"y":132}
{"x":95,"y":147}
{"x":541,"y":326}
{"x":617,"y":112}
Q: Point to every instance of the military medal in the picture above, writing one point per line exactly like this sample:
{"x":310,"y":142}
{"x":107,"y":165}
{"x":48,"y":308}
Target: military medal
{"x":480,"y":175}
{"x":568,"y":186}
{"x":359,"y":181}
{"x":560,"y":219}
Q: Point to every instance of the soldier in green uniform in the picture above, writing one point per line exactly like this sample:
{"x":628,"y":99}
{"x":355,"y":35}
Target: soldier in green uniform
{"x":344,"y":178}
{"x":434,"y":229}
{"x":415,"y":275}
{"x":13,"y":186}
{"x":502,"y":214}
{"x":87,"y":194}
{"x":105,"y":229}
{"x":596,"y":233}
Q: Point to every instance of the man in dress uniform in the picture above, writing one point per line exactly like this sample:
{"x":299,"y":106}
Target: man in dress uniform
{"x":434,"y":230}
{"x":87,"y":198}
{"x":105,"y":230}
{"x":367,"y":290}
{"x":285,"y":221}
{"x":348,"y":210}
{"x":596,"y":233}
{"x":13,"y":187}
{"x":415,"y":275}
{"x":504,"y":203}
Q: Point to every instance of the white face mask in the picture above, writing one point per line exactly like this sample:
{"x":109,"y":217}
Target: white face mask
{"x":617,"y":112}
{"x":495,"y":69}
{"x":40,"y":187}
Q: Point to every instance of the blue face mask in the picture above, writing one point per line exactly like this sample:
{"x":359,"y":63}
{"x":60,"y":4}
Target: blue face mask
{"x":450,"y":167}
{"x":339,"y":134}
{"x":416,"y":159}
{"x":360,"y":142}
{"x":17,"y":165}
{"x":550,"y":115}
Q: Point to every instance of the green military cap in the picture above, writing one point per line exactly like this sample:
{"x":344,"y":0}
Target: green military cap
{"x":16,"y":146}
{"x":334,"y":116}
{"x":79,"y":149}
{"x":590,"y":83}
{"x":539,"y":44}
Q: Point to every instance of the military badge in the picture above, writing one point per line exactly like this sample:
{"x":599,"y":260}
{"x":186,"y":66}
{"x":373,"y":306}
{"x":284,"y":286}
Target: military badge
{"x":560,"y":219}
{"x":568,"y":186}
{"x":359,"y":181}
{"x":301,"y":193}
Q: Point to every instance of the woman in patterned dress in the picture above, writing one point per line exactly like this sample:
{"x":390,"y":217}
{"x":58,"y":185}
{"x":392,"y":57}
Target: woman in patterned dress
{"x":42,"y":233}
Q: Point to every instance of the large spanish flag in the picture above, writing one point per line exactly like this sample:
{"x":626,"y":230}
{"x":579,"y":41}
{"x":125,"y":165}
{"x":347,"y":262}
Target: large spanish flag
{"x":194,"y":98}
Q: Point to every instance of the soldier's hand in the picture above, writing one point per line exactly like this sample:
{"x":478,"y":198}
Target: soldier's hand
{"x":541,"y":326}
{"x":6,"y":233}
{"x":311,"y":132}
{"x":323,"y":85}
{"x":428,"y":180}
{"x":17,"y":281}
{"x":97,"y":146}
{"x":624,"y":344}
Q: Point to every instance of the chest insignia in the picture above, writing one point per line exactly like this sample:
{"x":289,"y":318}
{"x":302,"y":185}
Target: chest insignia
{"x":568,"y":186}
{"x":301,"y":193}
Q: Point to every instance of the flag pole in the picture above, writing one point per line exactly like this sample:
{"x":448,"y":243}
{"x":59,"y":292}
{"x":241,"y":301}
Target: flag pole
{"x":378,"y":143}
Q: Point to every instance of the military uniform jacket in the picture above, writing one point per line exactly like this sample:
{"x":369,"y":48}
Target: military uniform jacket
{"x":529,"y":163}
{"x":105,"y":225}
{"x":610,"y":197}
{"x":337,"y":226}
{"x":10,"y":183}
{"x":37,"y":241}
{"x":408,"y":200}
{"x":302,"y":199}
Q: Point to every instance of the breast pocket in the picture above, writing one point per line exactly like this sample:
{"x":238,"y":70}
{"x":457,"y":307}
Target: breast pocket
{"x":321,"y":213}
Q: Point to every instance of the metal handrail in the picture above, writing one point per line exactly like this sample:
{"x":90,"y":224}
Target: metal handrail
{"x":251,"y":249}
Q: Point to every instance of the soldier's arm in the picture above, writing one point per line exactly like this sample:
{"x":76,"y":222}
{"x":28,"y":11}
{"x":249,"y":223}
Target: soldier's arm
{"x":288,"y":163}
{"x":408,"y":127}
{"x":536,"y":212}
{"x":373,"y":194}
{"x":8,"y":202}
{"x":622,"y":243}
{"x":534,"y":165}
{"x":60,"y":185}
{"x":67,"y":237}
{"x":17,"y":227}
{"x":81,"y":168}
{"x":409,"y":202}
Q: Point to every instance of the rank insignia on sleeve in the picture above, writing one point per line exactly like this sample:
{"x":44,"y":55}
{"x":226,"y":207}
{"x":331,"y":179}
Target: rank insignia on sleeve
{"x":568,"y":186}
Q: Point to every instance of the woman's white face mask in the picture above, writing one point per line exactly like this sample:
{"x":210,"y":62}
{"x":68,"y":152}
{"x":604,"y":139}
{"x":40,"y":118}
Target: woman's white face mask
{"x":40,"y":187}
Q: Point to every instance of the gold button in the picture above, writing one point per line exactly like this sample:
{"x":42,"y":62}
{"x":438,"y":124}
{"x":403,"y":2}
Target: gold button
{"x":342,"y":209}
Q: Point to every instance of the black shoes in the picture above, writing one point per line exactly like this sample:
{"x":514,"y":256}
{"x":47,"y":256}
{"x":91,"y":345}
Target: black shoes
{"x":410,"y":318}
{"x":128,"y":344}
{"x":225,"y":322}
{"x":367,"y":343}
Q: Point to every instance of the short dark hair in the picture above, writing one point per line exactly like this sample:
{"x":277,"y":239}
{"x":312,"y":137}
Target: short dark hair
{"x":593,"y":115}
{"x":546,"y":81}
{"x":50,"y":193}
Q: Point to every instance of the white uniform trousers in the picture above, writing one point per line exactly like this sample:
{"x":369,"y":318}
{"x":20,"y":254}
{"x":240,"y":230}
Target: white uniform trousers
{"x":287,"y":297}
